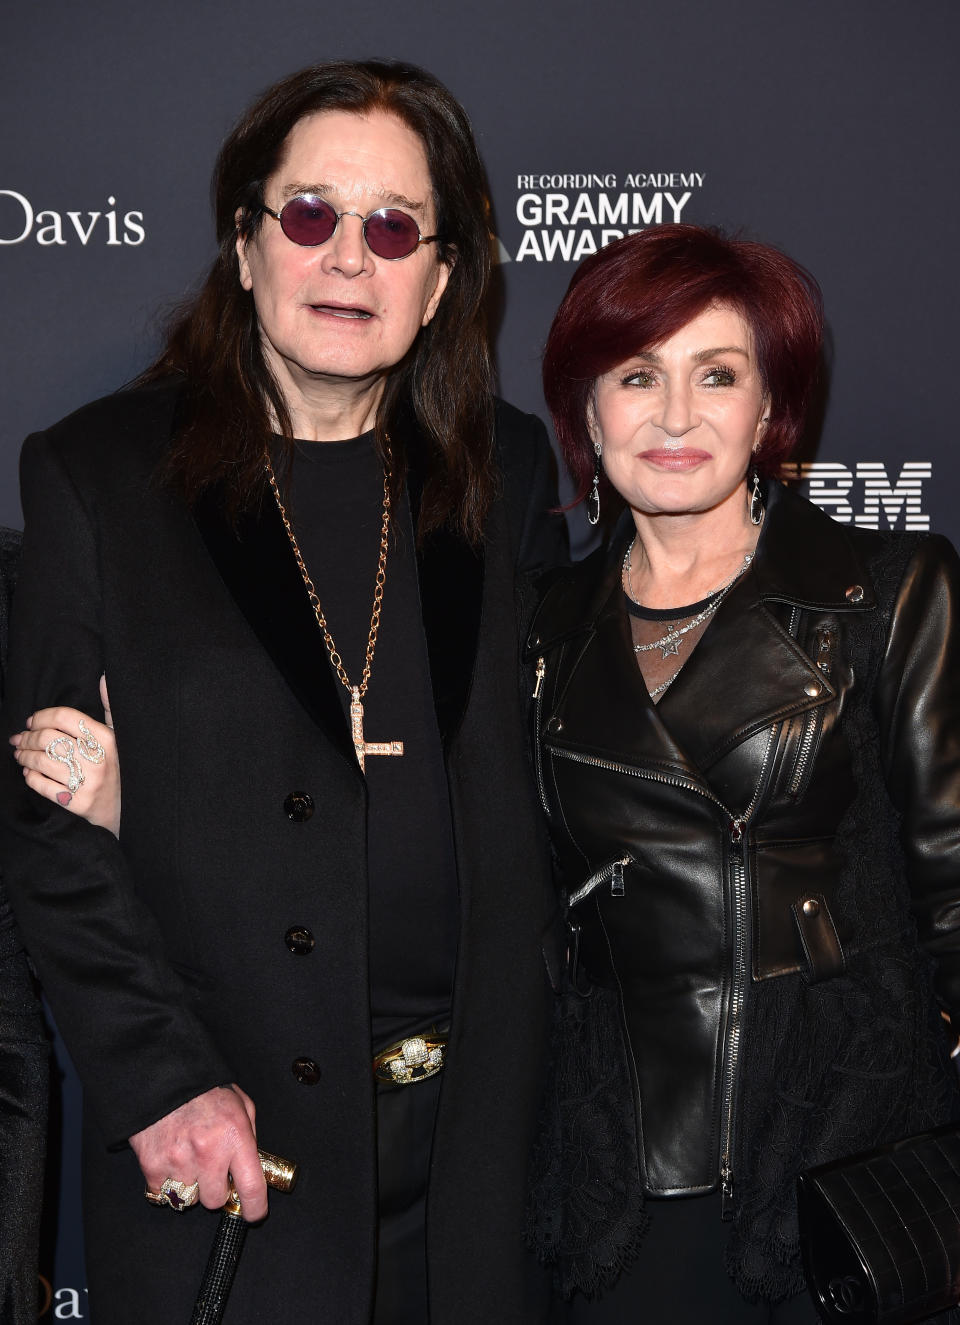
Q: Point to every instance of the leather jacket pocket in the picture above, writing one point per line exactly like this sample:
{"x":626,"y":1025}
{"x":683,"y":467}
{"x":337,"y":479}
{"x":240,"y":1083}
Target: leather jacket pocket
{"x":818,"y":935}
{"x":787,"y":938}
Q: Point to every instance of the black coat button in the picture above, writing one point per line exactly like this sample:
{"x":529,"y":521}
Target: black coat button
{"x":299,"y":940}
{"x":298,"y":807}
{"x":306,"y":1071}
{"x":554,"y":726}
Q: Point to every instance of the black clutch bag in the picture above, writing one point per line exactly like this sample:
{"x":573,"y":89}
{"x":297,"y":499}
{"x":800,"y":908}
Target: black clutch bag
{"x":880,"y":1233}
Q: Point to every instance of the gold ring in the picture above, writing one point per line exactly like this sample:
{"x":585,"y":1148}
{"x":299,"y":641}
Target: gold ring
{"x":177,"y":1195}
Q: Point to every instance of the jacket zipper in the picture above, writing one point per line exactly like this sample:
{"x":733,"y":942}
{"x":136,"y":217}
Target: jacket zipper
{"x":738,"y":992}
{"x":612,"y":871}
{"x":814,"y":720}
{"x":537,"y":755}
{"x":736,"y":828}
{"x":735,"y":1021}
{"x":668,"y":780}
{"x":541,"y":673}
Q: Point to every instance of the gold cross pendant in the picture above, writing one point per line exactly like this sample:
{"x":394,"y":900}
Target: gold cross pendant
{"x":362,"y":747}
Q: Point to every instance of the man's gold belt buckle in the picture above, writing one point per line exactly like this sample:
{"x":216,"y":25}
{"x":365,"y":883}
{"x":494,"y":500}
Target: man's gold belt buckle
{"x":410,"y":1061}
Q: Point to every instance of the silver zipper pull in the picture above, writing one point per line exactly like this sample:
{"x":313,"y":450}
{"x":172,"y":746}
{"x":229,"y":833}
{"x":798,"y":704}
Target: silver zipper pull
{"x":541,"y":673}
{"x":726,"y":1193}
{"x":616,"y":879}
{"x":824,"y":646}
{"x":736,"y":831}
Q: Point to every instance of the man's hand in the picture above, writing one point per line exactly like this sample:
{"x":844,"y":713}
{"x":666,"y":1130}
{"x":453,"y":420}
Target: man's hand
{"x":205,"y":1140}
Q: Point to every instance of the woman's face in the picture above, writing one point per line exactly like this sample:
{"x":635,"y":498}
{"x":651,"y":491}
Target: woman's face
{"x":337,"y":313}
{"x":678,"y":422}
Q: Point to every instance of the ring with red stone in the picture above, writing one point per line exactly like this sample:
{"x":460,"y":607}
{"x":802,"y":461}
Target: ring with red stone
{"x":177,"y":1195}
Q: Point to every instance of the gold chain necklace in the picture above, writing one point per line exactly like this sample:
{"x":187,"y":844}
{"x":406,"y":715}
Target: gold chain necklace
{"x":357,"y":692}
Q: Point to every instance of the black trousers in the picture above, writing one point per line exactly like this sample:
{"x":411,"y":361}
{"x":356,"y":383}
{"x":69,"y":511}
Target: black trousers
{"x":405,"y":1121}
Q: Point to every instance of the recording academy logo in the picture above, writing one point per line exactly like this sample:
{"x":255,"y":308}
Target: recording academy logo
{"x":864,"y":494}
{"x":21,"y":222}
{"x":563,"y":218}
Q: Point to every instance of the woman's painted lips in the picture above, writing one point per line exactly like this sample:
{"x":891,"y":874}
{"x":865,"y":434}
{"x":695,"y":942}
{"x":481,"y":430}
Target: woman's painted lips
{"x":687,"y":457}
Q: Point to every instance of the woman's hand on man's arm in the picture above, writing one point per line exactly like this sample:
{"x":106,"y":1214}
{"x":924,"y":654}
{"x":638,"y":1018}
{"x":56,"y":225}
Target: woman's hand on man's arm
{"x":80,"y":745}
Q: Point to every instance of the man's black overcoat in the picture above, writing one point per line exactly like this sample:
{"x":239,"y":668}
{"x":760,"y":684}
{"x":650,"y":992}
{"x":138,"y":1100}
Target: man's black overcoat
{"x":163,"y":955}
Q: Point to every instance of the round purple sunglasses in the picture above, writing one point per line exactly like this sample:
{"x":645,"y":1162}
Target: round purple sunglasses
{"x":389,"y":233}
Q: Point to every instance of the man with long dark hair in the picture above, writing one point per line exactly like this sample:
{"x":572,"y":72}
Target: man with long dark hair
{"x":293,"y":547}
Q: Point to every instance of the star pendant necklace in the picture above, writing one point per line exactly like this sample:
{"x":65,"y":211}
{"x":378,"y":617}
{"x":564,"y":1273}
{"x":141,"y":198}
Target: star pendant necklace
{"x":670,"y":642}
{"x":362,"y":747}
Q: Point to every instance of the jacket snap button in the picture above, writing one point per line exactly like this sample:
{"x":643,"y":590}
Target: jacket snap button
{"x":298,"y":807}
{"x":306,"y":1071}
{"x":299,"y":940}
{"x":554,"y":726}
{"x":811,"y":907}
{"x":811,"y":689}
{"x":855,"y":593}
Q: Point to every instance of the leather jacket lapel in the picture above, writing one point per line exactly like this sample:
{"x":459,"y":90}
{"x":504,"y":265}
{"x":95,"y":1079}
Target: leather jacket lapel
{"x":257,"y":566}
{"x":745,"y":674}
{"x":609,"y":713}
{"x":807,"y":558}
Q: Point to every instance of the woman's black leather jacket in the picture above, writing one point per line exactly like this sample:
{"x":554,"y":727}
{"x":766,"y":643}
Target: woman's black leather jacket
{"x":765,"y":862}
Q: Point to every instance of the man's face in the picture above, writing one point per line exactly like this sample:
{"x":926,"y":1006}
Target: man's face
{"x":337,"y":313}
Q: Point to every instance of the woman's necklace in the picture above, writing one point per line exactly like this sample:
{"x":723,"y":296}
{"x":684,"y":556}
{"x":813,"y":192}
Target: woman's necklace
{"x":670,"y":642}
{"x":664,"y":686}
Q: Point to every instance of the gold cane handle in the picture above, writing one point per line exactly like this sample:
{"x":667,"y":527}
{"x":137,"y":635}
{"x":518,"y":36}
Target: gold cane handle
{"x":279,"y":1173}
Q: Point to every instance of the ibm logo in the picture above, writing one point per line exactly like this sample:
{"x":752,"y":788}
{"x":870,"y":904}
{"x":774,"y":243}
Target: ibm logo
{"x":865,"y":495}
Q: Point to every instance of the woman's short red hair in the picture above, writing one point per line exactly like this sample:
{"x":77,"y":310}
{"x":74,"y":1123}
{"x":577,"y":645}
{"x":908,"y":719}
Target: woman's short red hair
{"x":638,"y":291}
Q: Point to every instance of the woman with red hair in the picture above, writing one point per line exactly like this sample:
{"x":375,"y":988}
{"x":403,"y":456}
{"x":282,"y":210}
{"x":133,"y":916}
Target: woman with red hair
{"x":747,"y":754}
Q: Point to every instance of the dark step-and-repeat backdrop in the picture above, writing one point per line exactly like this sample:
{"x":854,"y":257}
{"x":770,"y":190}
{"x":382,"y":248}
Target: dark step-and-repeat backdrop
{"x":827,"y":127}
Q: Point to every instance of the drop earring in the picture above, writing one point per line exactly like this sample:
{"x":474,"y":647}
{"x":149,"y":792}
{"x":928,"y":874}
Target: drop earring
{"x":755,"y":501}
{"x":593,"y":496}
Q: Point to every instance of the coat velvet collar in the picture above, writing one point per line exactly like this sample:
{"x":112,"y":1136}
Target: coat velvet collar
{"x":258,"y":567}
{"x":746,"y":673}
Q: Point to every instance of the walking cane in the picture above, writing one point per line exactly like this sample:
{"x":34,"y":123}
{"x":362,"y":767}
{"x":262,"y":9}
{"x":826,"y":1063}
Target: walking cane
{"x":228,"y":1243}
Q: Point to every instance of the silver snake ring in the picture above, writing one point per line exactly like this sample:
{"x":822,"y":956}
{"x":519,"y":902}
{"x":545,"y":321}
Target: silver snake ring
{"x":62,"y":750}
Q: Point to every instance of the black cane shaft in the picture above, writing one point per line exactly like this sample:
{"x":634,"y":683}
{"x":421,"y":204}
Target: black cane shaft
{"x":221,"y":1267}
{"x":228,"y":1243}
